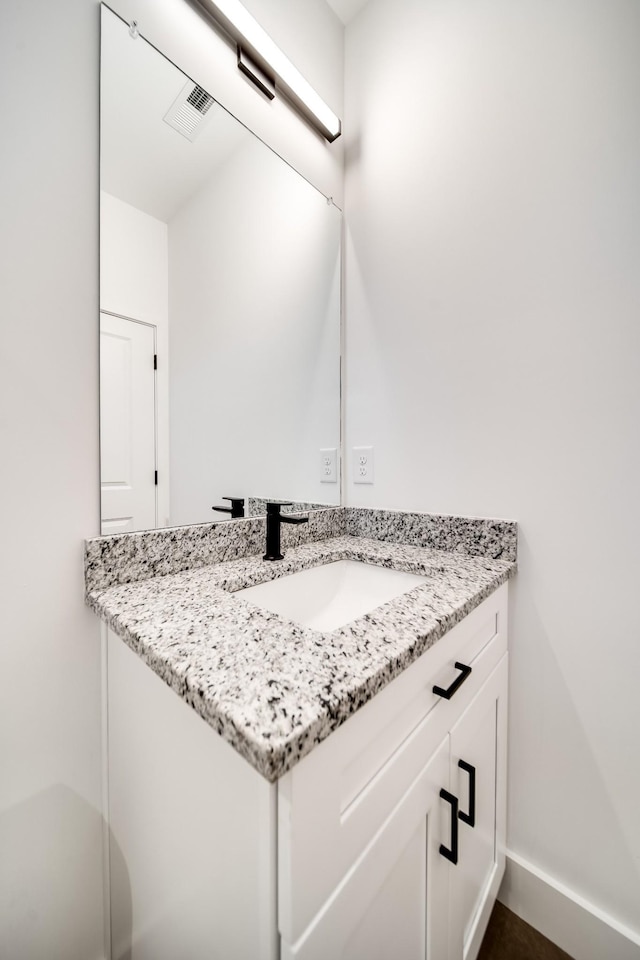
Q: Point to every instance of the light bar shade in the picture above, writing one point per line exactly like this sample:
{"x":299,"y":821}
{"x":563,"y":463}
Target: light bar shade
{"x":246,"y":31}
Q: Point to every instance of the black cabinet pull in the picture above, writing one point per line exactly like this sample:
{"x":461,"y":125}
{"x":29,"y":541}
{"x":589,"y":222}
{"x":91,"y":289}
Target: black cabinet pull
{"x":470,"y":817}
{"x":449,"y":692}
{"x":451,"y":854}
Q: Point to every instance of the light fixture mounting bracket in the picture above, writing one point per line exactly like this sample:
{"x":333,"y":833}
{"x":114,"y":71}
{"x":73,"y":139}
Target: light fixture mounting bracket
{"x":263,"y":81}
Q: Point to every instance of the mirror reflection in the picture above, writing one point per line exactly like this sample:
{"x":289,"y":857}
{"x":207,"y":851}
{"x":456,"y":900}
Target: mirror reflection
{"x":219,"y":306}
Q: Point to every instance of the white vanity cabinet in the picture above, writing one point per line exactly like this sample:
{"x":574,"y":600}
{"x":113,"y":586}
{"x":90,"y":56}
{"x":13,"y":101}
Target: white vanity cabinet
{"x":362,"y":819}
{"x":342,"y":858}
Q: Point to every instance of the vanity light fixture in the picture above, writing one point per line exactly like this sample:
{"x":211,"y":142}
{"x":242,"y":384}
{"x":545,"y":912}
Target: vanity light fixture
{"x":255,"y":42}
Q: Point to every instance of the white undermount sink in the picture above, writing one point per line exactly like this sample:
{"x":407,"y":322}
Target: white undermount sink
{"x":332,"y":595}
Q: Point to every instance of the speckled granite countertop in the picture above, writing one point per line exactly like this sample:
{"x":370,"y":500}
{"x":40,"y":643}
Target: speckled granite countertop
{"x":274,"y":689}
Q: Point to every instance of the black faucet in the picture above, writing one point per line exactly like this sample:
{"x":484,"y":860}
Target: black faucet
{"x":274,"y":519}
{"x":236,"y":509}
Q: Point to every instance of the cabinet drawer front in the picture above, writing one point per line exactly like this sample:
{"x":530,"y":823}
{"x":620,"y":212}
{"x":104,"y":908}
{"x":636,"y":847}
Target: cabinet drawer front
{"x":385,"y":726}
{"x":333,"y":801}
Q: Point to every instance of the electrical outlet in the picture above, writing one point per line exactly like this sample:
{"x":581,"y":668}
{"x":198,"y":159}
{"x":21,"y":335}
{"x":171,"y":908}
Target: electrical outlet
{"x":329,"y":465}
{"x":363,"y":464}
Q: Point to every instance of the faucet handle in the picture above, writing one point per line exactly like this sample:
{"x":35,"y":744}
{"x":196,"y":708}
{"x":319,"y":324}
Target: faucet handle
{"x":273,"y":507}
{"x":273,"y":510}
{"x":287,"y":518}
{"x":236,"y":509}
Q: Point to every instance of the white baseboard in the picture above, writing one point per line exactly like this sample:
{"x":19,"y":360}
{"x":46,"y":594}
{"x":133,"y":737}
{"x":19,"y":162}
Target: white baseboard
{"x":581,"y":929}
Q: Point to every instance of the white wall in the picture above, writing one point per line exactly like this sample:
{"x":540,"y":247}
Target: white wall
{"x":493,"y":360}
{"x":255,"y":366}
{"x":134,"y":283}
{"x":134,"y":271}
{"x":50,"y":820}
{"x":50,"y":828}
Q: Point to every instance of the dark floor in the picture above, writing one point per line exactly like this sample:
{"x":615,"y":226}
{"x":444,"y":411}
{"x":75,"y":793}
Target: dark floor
{"x":510,"y":938}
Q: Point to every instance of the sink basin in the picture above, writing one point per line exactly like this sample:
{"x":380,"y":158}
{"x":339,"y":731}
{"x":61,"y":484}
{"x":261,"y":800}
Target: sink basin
{"x":330,"y":596}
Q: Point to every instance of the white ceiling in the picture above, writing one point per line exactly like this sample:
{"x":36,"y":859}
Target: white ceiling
{"x":143,"y":160}
{"x":347,"y":9}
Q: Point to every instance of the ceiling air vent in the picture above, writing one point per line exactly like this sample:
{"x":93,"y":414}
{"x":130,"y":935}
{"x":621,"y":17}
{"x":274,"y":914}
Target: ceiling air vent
{"x":189,"y":110}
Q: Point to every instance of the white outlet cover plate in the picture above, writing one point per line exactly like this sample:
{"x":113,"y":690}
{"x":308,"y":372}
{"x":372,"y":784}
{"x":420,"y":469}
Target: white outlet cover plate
{"x":363,"y":464}
{"x":329,"y":465}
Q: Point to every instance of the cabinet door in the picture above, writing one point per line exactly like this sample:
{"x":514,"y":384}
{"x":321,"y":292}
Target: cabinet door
{"x":478,"y":779}
{"x":394,"y":900}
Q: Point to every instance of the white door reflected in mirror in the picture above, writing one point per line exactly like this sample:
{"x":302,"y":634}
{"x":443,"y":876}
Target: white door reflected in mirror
{"x":127,"y":425}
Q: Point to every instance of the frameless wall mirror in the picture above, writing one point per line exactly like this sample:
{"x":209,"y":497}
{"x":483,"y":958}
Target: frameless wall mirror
{"x":219,"y":306}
